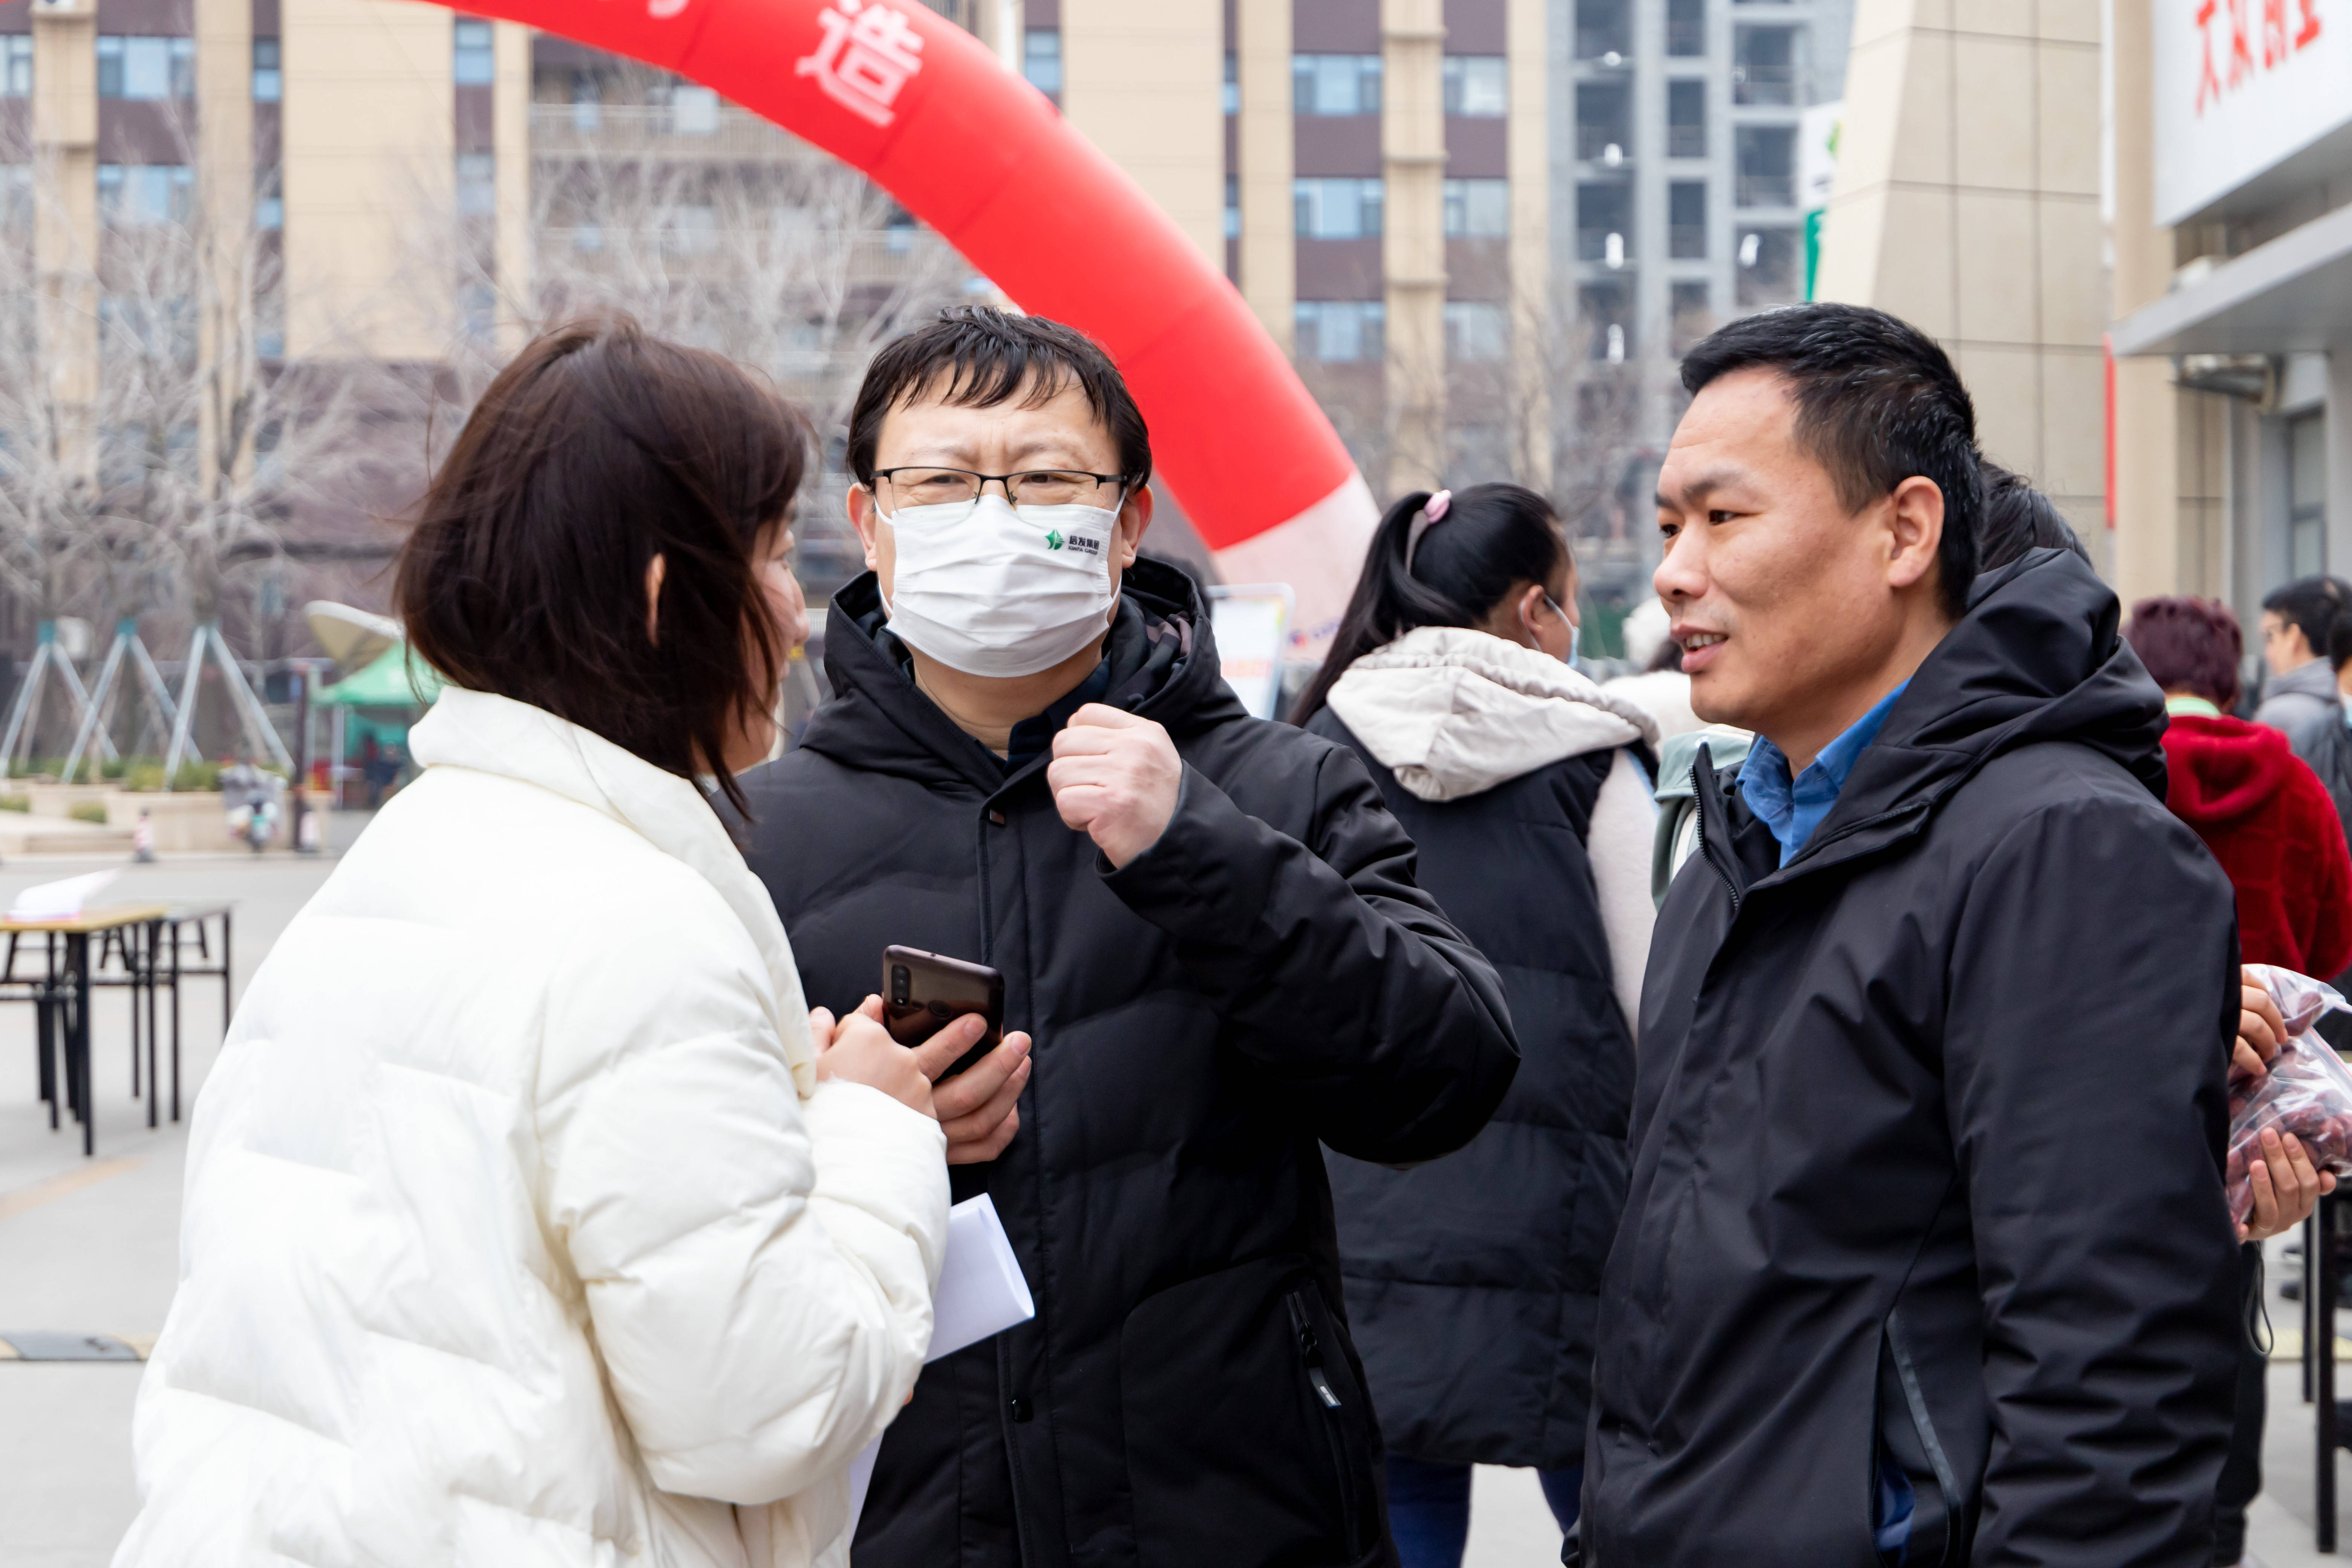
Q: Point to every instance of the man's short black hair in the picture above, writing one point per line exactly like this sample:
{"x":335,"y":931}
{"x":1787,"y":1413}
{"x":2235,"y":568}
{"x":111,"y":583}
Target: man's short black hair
{"x":2313,"y":603}
{"x":1877,"y":402}
{"x":2018,"y":518}
{"x":979,"y":357}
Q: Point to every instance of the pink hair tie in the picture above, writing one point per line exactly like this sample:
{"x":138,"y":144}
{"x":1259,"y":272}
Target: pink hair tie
{"x":1432,"y":512}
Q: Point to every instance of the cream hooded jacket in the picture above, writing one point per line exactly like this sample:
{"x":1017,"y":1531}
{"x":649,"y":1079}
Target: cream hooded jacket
{"x":518,"y":1231}
{"x":1454,"y":712}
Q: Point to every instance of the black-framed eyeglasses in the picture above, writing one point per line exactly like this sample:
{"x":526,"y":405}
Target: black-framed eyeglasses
{"x":1031,"y":487}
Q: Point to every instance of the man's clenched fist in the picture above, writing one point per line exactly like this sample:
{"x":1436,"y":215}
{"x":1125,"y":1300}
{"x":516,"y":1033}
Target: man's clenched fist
{"x":1115,"y":778}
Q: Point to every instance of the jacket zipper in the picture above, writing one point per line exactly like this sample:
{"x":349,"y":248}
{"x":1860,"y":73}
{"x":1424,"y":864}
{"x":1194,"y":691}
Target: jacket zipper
{"x":1310,"y":1352}
{"x":1699,"y":803}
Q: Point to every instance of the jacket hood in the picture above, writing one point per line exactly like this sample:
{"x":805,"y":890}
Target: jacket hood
{"x":1163,"y":660}
{"x":512,"y":740}
{"x":2037,"y":658}
{"x":2311,"y":678}
{"x":2223,"y":770}
{"x":1454,"y":712}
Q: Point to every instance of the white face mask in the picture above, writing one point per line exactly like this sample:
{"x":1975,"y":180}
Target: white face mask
{"x":990,"y":591}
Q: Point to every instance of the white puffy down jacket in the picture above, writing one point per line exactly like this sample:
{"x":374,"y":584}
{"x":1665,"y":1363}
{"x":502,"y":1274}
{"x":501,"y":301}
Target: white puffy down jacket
{"x":518,"y":1229}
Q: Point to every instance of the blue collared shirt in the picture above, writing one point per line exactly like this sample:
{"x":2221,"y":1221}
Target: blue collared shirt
{"x":1792,"y":810}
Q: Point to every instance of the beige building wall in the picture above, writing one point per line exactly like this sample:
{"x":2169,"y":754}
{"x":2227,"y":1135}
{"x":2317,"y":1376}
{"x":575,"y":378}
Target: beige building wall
{"x":65,"y":219}
{"x":2170,"y":506}
{"x":510,"y":139}
{"x":1532,"y":320}
{"x":1967,"y":202}
{"x":370,"y":178}
{"x":1412,"y":242}
{"x":1267,"y":160}
{"x":1146,"y":84}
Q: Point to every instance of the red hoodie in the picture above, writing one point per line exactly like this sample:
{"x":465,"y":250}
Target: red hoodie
{"x":2269,"y":821}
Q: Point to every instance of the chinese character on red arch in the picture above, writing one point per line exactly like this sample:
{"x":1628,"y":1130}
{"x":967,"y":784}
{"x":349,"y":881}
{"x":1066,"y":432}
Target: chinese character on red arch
{"x":869,"y":54}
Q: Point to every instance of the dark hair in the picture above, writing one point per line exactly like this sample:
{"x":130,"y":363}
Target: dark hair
{"x":1877,"y":402}
{"x":976,"y":356}
{"x":1492,"y":539}
{"x":2339,"y":641}
{"x":2019,"y":518}
{"x":596,"y":449}
{"x":2188,"y":644}
{"x":2311,"y":603}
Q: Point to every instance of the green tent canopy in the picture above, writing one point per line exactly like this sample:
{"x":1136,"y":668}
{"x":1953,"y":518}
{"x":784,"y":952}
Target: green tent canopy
{"x":393,"y":680}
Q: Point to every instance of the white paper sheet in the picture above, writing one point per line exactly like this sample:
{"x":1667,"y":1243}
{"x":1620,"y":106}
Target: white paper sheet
{"x":982,"y":1292}
{"x":59,"y":900}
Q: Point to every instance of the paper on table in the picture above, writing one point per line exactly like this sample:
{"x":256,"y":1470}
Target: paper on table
{"x":59,"y":900}
{"x":982,"y":1292}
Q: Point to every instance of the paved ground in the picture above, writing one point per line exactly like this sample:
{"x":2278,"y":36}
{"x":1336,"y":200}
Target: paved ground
{"x":89,"y":1246}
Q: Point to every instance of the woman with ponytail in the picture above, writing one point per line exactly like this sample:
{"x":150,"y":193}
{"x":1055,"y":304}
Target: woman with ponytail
{"x":1472,"y":1281}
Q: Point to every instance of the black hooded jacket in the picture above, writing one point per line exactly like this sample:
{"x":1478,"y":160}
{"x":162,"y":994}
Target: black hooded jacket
{"x":1265,"y":976}
{"x":1926,"y":1142}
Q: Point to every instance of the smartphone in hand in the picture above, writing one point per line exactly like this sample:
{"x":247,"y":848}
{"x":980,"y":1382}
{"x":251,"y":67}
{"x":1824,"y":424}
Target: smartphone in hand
{"x":922,"y":992}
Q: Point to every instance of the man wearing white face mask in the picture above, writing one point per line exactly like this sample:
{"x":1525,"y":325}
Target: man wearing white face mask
{"x":1208,"y":923}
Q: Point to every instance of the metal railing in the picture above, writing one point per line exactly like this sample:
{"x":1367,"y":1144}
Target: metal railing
{"x":656,"y":130}
{"x":1685,"y":141}
{"x":1685,"y":36}
{"x":1687,"y":241}
{"x":1766,"y":86}
{"x":1596,"y":43}
{"x":1765,"y":191}
{"x":1593,"y":141}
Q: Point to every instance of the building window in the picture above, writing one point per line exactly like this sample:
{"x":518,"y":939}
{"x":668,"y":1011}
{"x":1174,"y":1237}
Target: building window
{"x":1687,"y":120}
{"x":1604,"y":30}
{"x":1478,"y":85}
{"x":268,"y":75}
{"x":1764,"y":67}
{"x":1041,"y":58}
{"x":1233,"y":83}
{"x":151,"y":69}
{"x":693,"y":110}
{"x":16,"y":66}
{"x":268,"y":201}
{"x":1233,"y":206}
{"x":1603,"y":126}
{"x":1771,"y":268}
{"x":2307,"y":495}
{"x":475,"y":64}
{"x":587,"y":100}
{"x":1477,"y":332}
{"x":477,"y":184}
{"x":1342,"y":331}
{"x":1686,"y":220}
{"x":1334,"y":84}
{"x":1767,"y":166}
{"x":1338,"y":210}
{"x":1686,"y":28}
{"x":1477,"y":209}
{"x":1604,"y":223}
{"x":1606,"y":311}
{"x":137,"y":194}
{"x":1694,"y":314}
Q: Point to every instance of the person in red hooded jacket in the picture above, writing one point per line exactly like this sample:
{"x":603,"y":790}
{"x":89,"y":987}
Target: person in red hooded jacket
{"x":2273,"y":825}
{"x":2258,"y":806}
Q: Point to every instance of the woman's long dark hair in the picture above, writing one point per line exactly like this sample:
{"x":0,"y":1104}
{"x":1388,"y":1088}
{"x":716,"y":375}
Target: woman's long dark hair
{"x":1493,"y":539}
{"x":598,"y":449}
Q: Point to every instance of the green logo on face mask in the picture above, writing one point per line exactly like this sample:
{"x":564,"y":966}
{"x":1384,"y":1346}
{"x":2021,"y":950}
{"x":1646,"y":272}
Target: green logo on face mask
{"x":1054,"y":539}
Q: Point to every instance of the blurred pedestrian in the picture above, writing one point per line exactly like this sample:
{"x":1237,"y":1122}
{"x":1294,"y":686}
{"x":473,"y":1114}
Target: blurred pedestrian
{"x":530,"y":1215}
{"x":2269,"y":821}
{"x":1472,"y":1280}
{"x":2300,"y":698}
{"x":1942,"y":967}
{"x":1030,"y":759}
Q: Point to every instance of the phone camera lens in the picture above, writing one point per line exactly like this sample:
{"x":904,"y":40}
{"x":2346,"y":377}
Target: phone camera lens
{"x":901,"y":980}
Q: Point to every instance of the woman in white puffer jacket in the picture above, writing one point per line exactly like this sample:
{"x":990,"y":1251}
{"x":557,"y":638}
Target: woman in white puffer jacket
{"x":531,"y":1219}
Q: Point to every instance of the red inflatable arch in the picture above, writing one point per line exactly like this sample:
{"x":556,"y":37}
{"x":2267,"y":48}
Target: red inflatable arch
{"x":926,"y":110}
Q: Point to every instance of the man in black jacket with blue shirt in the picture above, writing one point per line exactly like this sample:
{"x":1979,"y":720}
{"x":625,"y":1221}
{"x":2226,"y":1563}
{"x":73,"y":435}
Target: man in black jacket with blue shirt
{"x":1925,"y":1258}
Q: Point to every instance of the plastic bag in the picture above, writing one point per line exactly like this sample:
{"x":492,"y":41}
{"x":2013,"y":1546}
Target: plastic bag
{"x":2307,"y":1091}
